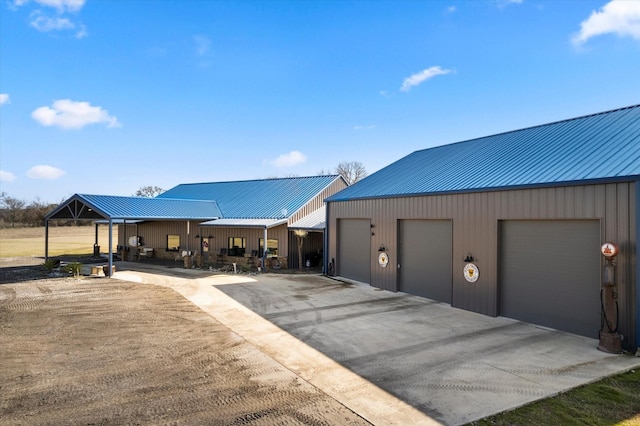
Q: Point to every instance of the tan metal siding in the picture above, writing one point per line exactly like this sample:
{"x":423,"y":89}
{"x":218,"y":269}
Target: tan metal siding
{"x":154,"y":235}
{"x":475,"y":229}
{"x":124,"y":232}
{"x":318,"y":201}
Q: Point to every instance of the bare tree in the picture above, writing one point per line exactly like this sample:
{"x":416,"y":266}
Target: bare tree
{"x":35,"y":212}
{"x":13,"y":208}
{"x":149,"y":191}
{"x":351,"y":171}
{"x":301,"y":235}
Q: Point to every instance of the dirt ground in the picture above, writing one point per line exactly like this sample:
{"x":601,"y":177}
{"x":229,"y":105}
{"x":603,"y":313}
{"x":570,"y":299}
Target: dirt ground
{"x":95,"y":351}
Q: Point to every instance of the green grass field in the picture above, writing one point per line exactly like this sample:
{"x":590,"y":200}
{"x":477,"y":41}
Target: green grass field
{"x":611,"y":401}
{"x":71,"y":240}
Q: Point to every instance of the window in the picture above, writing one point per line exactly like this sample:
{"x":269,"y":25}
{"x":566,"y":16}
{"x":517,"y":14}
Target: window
{"x":173,"y":242}
{"x":237,"y":246}
{"x":272,"y":247}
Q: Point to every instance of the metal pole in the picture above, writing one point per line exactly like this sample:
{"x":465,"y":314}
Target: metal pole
{"x":264,"y":250}
{"x":110,"y":246}
{"x":46,"y":240}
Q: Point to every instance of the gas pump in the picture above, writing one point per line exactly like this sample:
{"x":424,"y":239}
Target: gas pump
{"x":610,"y":339}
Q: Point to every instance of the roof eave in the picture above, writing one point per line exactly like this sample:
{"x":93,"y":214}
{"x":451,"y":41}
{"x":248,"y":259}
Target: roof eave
{"x":617,"y":179}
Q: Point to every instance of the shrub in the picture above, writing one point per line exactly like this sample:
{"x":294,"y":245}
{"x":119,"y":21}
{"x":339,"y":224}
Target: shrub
{"x":51,"y":264}
{"x":73,"y":268}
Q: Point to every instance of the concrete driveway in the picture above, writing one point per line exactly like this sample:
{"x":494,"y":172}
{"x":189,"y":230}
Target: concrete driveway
{"x":391,"y":357}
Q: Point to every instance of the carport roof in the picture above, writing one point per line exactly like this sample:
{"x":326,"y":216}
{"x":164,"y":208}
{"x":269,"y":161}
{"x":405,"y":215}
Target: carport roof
{"x":315,"y":221}
{"x":245,"y":223}
{"x":95,"y":207}
{"x":589,"y":149}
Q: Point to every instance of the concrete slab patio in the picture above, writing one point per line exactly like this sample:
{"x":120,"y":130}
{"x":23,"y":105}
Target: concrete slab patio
{"x":391,"y":357}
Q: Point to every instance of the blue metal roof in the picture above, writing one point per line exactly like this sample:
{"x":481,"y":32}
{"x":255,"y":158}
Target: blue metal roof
{"x":266,"y":198}
{"x":83,"y":206}
{"x":598,"y":147}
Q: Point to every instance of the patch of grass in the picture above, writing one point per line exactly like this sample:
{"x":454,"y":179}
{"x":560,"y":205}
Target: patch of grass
{"x":611,"y":401}
{"x":74,"y":240}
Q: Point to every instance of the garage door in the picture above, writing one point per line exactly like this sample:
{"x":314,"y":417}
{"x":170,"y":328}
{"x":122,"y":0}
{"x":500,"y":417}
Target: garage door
{"x":354,"y":249}
{"x":550,"y":274}
{"x":425,"y":258}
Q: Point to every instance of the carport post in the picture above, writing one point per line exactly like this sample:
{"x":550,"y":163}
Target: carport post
{"x":264,"y":250}
{"x":46,"y":240}
{"x":110,"y":245}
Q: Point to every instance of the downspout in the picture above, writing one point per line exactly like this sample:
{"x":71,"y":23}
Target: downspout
{"x":636,"y":311}
{"x":325,"y":243}
{"x":110,"y":246}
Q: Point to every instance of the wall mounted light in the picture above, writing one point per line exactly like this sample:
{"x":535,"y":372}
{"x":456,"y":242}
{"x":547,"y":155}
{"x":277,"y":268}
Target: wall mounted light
{"x":469,"y":258}
{"x":382,"y":248}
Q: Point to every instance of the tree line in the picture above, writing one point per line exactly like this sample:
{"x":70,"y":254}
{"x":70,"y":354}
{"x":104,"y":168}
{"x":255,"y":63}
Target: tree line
{"x":15,"y":212}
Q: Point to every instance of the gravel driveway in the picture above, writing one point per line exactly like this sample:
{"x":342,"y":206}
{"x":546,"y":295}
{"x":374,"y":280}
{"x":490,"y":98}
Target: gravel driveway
{"x":103,"y":351}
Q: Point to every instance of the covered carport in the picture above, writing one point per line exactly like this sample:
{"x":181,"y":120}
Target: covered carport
{"x":117,"y":209}
{"x":314,"y":224}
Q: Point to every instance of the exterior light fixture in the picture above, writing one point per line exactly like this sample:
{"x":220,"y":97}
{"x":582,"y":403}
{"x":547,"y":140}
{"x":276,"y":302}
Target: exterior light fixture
{"x":469,"y":258}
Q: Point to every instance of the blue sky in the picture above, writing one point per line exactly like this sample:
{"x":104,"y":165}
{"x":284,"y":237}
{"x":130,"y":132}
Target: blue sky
{"x":105,"y":96}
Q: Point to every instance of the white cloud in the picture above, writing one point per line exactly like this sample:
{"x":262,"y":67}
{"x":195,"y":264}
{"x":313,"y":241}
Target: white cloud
{"x":620,"y":17}
{"x":70,"y":114}
{"x":422,"y":76}
{"x":45,"y":23}
{"x":451,"y":9}
{"x":4,"y":98}
{"x":60,"y":5}
{"x":203,"y":44}
{"x":290,"y":159}
{"x":45,"y":172}
{"x":82,"y":31}
{"x":505,"y":3}
{"x":6,"y":176}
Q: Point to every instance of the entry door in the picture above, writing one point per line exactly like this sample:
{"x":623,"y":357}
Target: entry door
{"x":425,"y":250}
{"x":550,"y":274}
{"x":354,"y":249}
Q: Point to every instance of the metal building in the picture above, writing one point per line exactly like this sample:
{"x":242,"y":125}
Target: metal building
{"x":509,"y":224}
